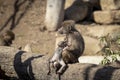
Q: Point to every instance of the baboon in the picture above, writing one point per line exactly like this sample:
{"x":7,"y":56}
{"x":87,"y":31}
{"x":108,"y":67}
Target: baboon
{"x":57,"y":58}
{"x":74,"y":38}
{"x":6,"y":38}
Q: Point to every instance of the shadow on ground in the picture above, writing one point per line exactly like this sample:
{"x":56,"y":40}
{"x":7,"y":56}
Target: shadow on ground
{"x":14,"y":19}
{"x":24,"y":69}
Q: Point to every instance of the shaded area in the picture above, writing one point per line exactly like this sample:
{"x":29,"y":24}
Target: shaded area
{"x":82,"y":11}
{"x":77,"y":11}
{"x":2,"y":74}
{"x":87,"y":71}
{"x":24,"y":69}
{"x":105,"y":73}
{"x":97,"y":72}
{"x":14,"y":19}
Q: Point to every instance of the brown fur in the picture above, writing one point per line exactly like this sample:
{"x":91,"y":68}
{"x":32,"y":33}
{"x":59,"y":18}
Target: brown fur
{"x":76,"y":48}
{"x":6,"y":38}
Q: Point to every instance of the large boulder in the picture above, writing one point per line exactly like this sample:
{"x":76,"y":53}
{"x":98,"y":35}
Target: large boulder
{"x":31,"y":66}
{"x":94,"y":3}
{"x":92,"y":34}
{"x":77,"y":11}
{"x":107,"y":17}
{"x":68,"y":3}
{"x":110,"y":4}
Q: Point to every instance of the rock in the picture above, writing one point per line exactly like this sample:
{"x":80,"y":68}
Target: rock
{"x":115,"y":64}
{"x":107,"y":17}
{"x":68,"y":3}
{"x":92,"y":34}
{"x":92,"y":45}
{"x":96,"y":31}
{"x":91,"y":59}
{"x":94,"y":3}
{"x":110,"y":4}
{"x":30,"y":66}
{"x":77,"y":11}
{"x":97,"y":60}
{"x":2,"y":74}
{"x":28,"y":48}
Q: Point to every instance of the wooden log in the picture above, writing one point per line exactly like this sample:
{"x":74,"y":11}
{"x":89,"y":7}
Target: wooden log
{"x":54,"y":14}
{"x":107,"y":17}
{"x":31,"y":66}
{"x":110,"y":4}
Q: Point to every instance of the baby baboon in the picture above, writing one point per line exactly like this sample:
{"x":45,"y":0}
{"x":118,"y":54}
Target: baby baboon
{"x":6,"y":38}
{"x":57,"y":58}
{"x":74,"y":38}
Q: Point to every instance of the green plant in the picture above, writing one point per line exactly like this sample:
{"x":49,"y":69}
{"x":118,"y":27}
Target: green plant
{"x":111,"y":48}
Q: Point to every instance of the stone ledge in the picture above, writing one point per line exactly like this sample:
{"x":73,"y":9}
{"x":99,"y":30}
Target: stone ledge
{"x":93,"y":59}
{"x":107,"y":17}
{"x":110,"y":4}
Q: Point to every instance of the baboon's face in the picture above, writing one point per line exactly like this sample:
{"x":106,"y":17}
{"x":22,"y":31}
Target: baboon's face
{"x":6,"y":37}
{"x":66,"y":27}
{"x":64,"y":30}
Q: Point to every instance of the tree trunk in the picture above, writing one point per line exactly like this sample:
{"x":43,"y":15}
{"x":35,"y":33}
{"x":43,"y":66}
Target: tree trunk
{"x":54,"y":14}
{"x":31,"y":66}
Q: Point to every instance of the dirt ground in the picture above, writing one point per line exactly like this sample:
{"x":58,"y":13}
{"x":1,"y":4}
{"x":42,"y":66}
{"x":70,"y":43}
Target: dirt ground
{"x":25,"y":18}
{"x":26,"y":23}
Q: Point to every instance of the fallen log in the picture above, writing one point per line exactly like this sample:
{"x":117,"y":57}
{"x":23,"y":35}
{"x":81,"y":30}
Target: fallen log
{"x":32,"y":66}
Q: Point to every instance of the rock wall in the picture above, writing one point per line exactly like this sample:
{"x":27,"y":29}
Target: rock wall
{"x":101,"y":11}
{"x":110,"y":12}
